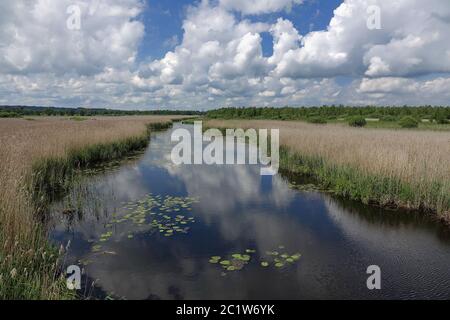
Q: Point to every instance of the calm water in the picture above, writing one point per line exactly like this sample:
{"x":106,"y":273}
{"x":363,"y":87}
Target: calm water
{"x":120,"y":231}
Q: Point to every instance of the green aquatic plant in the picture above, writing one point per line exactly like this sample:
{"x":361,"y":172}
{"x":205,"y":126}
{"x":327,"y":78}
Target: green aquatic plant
{"x":307,"y":187}
{"x":281,"y":260}
{"x":238,"y":261}
{"x":151,"y":211}
{"x":160,"y":211}
{"x":215,"y":259}
{"x":96,"y":248}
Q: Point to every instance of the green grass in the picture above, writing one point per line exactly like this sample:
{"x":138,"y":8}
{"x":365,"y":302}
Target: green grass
{"x":373,"y":124}
{"x":191,"y":120}
{"x":33,"y":274}
{"x":353,"y":184}
{"x":52,"y":177}
{"x":317,"y":120}
{"x":79,"y":118}
{"x":160,"y":126}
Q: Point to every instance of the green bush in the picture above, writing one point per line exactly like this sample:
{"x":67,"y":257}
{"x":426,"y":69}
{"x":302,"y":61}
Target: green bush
{"x":357,"y":122}
{"x":389,"y":118}
{"x":441,"y":119}
{"x":409,"y":122}
{"x":317,"y":120}
{"x":4,"y":114}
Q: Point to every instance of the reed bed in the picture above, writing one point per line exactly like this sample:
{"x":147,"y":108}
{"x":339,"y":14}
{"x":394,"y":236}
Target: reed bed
{"x":397,"y":168}
{"x":31,"y":154}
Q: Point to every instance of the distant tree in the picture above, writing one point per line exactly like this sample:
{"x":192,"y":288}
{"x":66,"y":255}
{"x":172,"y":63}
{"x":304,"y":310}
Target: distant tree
{"x":317,"y":120}
{"x":409,"y":122}
{"x":357,"y":122}
{"x":441,"y":118}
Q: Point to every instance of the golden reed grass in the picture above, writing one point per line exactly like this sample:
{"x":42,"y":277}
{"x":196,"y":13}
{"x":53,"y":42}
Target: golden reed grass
{"x":420,"y":159}
{"x":23,"y":142}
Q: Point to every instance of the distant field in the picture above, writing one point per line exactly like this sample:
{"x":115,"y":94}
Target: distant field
{"x":401,"y":168}
{"x":378,"y":124}
{"x":422,"y":118}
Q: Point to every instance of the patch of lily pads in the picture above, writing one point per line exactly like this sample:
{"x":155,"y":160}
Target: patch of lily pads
{"x":278,"y":259}
{"x":307,"y":187}
{"x":167,"y":216}
{"x":236,"y":262}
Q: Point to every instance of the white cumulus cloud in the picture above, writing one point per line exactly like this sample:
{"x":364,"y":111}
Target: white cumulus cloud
{"x":259,"y":6}
{"x":35,"y":38}
{"x":219,"y":60}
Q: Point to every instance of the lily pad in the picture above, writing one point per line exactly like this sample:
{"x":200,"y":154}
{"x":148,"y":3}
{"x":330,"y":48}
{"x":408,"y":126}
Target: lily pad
{"x":296,"y":256}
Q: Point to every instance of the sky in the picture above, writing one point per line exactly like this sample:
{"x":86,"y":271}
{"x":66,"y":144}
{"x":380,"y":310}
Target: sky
{"x":186,"y":54}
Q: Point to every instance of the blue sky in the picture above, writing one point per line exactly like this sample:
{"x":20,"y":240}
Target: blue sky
{"x":154,"y":54}
{"x":163,"y":22}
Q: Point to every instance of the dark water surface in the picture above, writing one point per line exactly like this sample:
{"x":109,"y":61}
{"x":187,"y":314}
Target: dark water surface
{"x":119,"y":226}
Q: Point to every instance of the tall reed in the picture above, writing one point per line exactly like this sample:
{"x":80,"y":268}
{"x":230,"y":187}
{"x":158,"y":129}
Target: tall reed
{"x":49,"y":150}
{"x":409,"y":169}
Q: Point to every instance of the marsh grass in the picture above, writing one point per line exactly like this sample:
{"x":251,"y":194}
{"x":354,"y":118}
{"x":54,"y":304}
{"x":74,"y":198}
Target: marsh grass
{"x":155,"y":127}
{"x":53,"y":176}
{"x":79,"y":118}
{"x":395,"y":168}
{"x":39,"y":158}
{"x":191,"y":120}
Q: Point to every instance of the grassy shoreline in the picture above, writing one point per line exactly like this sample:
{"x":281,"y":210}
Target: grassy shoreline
{"x":369,"y":166}
{"x":52,"y":176}
{"x":30,"y":267}
{"x":352,"y":184}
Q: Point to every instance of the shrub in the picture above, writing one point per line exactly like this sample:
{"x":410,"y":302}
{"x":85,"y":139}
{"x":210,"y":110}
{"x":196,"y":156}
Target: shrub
{"x":78,"y":118}
{"x":375,"y":115}
{"x":441,"y":119}
{"x":317,"y":120}
{"x":357,"y":122}
{"x":5,"y":114}
{"x":389,"y":118}
{"x":409,"y":122}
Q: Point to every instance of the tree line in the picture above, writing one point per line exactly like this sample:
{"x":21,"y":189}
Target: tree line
{"x":20,"y":111}
{"x":389,"y":113}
